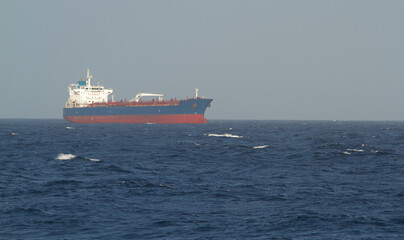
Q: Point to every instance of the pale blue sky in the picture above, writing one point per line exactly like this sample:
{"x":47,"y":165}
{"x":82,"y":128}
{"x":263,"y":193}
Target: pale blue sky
{"x":307,"y":60}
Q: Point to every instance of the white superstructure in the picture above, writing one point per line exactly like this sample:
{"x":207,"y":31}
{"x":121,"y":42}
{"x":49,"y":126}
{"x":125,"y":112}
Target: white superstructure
{"x":83,"y":93}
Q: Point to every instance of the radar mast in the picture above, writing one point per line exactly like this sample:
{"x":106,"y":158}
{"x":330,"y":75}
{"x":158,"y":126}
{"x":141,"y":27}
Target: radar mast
{"x":89,"y":76}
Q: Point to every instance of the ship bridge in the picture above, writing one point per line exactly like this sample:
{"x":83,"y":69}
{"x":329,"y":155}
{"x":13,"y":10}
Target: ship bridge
{"x":83,"y":93}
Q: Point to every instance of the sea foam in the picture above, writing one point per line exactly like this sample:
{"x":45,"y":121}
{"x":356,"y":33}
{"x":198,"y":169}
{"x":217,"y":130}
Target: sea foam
{"x":258,"y":147}
{"x":94,"y":159}
{"x":223,"y":135}
{"x":355,"y":150}
{"x":67,"y":156}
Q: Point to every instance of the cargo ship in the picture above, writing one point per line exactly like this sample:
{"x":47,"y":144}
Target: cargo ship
{"x":89,"y":103}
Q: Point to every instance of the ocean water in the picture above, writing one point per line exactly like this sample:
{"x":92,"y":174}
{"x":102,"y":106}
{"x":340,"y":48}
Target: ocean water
{"x":220,"y":180}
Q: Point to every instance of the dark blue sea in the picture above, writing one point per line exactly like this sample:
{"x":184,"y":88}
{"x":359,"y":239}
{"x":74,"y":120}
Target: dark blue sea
{"x":220,"y":180}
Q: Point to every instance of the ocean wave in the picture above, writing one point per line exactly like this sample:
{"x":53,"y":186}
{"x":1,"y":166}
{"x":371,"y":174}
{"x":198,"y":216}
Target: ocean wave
{"x":258,"y":147}
{"x":94,"y":159}
{"x":63,"y":182}
{"x":115,"y":168}
{"x":13,"y":134}
{"x":223,"y":135}
{"x":355,"y":150}
{"x":70,"y":127}
{"x":63,"y":156}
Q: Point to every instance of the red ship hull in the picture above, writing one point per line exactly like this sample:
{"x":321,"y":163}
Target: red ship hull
{"x":147,"y":118}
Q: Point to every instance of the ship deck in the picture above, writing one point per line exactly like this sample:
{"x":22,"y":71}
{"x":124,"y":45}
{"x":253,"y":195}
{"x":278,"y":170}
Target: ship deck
{"x":125,"y":103}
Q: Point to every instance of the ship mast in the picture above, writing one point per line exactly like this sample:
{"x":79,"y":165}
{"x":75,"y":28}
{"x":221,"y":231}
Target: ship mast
{"x":89,"y":77}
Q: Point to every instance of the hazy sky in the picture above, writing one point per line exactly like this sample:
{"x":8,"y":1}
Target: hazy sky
{"x":318,"y":60}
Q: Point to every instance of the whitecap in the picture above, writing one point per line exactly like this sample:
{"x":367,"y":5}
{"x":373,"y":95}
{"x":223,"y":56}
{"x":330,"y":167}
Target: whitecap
{"x":347,"y":153}
{"x":356,"y":150}
{"x":258,"y":147}
{"x":94,"y":159}
{"x":67,"y":156}
{"x":70,"y":127}
{"x":14,"y":134}
{"x":223,"y":135}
